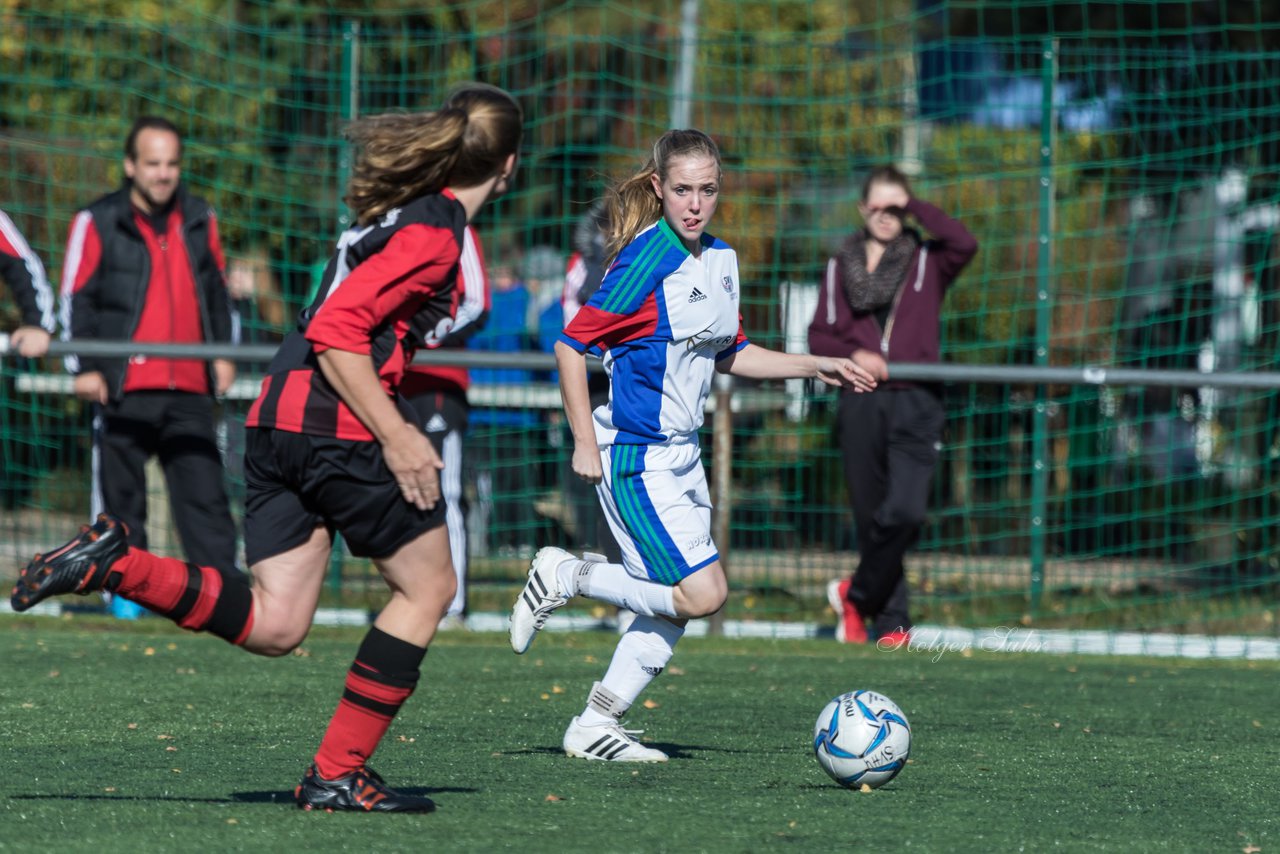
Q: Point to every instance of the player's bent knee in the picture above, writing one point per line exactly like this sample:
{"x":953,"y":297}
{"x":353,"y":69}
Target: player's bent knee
{"x":703,"y":601}
{"x":274,"y":641}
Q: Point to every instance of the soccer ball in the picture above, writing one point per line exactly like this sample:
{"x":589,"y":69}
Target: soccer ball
{"x":862,"y":738}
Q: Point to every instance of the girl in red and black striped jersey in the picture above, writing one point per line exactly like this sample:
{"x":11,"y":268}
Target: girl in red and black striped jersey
{"x":332,"y":446}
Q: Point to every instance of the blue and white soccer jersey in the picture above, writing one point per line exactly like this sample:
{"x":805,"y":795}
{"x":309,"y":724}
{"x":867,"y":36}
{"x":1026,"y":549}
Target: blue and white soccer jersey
{"x":662,"y":319}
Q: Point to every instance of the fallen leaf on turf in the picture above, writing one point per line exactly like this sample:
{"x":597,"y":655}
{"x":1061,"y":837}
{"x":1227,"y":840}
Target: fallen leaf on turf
{"x":131,"y":726}
{"x":791,"y":824}
{"x":865,"y":788}
{"x":546,"y":696}
{"x":28,"y":705}
{"x":164,"y":738}
{"x":54,"y":674}
{"x":171,"y":749}
{"x":590,"y":659}
{"x":109,"y":789}
{"x":171,"y":646}
{"x":1057,"y":725}
{"x":674,"y":671}
{"x":556,"y":689}
{"x":1251,"y":849}
{"x":233,"y":821}
{"x":151,"y":650}
{"x":302,"y":652}
{"x":1258,"y":724}
{"x":176,"y":770}
{"x":554,"y":798}
{"x":650,"y":704}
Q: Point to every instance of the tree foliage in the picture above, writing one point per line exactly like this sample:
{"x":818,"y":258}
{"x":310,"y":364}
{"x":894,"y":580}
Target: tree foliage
{"x":802,"y":96}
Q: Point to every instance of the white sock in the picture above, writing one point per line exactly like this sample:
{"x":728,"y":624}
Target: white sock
{"x":642,"y":653}
{"x":610,"y":582}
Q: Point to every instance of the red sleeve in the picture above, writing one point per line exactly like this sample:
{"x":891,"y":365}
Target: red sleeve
{"x":595,"y":327}
{"x":417,"y":262}
{"x":6,"y":247}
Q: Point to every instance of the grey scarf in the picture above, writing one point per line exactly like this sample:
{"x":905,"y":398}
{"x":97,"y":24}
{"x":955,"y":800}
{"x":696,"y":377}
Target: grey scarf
{"x":869,"y":291}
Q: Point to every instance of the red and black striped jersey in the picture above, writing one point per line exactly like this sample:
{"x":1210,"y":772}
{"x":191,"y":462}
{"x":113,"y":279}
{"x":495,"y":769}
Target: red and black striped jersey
{"x":387,"y":291}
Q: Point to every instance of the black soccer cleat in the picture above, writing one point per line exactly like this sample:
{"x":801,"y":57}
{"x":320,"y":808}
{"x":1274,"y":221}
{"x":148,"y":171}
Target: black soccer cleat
{"x":81,"y":566}
{"x":363,"y":790}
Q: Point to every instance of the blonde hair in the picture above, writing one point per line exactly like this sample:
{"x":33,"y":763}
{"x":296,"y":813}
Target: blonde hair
{"x":632,"y":204}
{"x":400,"y":156}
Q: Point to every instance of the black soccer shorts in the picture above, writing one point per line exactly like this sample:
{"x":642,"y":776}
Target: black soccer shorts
{"x":295,"y":483}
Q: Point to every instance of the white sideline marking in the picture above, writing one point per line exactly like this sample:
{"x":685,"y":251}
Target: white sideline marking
{"x":44,"y":609}
{"x":932,"y":640}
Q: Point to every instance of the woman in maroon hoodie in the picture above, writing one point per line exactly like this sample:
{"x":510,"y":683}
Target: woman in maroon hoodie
{"x":881,"y":303}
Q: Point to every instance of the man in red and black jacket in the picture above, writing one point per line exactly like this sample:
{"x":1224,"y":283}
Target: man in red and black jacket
{"x":145,"y":264}
{"x":21,"y":270}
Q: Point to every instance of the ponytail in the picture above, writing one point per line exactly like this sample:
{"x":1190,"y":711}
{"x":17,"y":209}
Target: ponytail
{"x":400,"y":156}
{"x":632,"y":207}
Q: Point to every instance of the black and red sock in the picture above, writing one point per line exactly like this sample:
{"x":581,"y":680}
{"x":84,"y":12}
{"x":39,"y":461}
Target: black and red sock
{"x":381,"y":678}
{"x":199,"y":598}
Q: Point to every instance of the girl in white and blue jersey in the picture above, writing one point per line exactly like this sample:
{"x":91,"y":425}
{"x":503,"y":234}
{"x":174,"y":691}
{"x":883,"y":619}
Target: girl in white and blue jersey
{"x":665,"y":318}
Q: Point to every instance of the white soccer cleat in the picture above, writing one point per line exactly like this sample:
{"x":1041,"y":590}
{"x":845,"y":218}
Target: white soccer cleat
{"x":608,"y":742}
{"x":540,"y":597}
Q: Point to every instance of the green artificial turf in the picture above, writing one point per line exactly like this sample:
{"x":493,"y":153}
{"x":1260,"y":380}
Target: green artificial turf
{"x":142,"y":738}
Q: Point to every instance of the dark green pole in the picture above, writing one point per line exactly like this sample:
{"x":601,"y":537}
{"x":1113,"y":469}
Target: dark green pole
{"x":1040,"y":467}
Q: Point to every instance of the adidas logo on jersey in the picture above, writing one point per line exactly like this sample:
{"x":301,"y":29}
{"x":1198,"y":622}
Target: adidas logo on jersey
{"x":436,"y":424}
{"x":697,"y":296}
{"x":652,"y":671}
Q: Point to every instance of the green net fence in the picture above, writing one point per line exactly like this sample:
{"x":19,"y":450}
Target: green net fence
{"x":1116,"y":162}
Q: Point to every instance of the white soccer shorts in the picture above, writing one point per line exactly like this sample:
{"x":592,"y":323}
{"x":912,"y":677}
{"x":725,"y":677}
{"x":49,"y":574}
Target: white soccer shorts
{"x":659,"y":509}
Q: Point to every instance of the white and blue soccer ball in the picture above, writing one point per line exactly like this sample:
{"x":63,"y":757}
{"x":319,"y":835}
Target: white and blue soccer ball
{"x":862,"y":738}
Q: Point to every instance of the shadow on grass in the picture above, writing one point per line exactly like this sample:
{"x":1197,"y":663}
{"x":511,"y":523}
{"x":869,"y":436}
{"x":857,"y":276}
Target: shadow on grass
{"x":673,"y":751}
{"x":278,"y":797}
